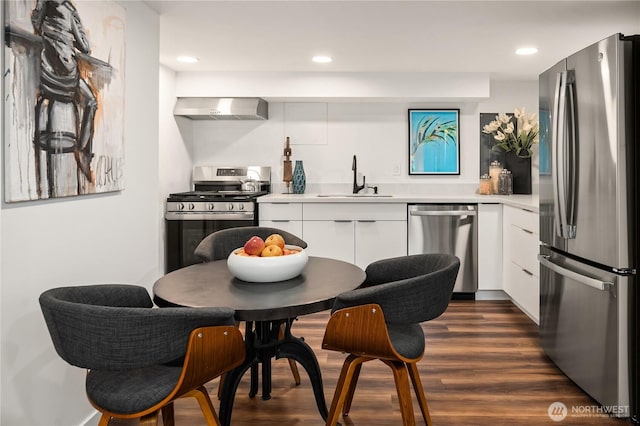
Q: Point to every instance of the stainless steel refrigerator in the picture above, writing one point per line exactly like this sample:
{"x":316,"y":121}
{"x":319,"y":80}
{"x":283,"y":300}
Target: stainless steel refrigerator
{"x":589,"y":155}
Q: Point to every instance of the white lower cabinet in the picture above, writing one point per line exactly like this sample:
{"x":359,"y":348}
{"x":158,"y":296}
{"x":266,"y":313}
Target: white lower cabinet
{"x":375,"y":240}
{"x":357,"y":233}
{"x":520,"y":266}
{"x":524,"y":290}
{"x":292,"y":226}
{"x":489,"y":247}
{"x":329,"y":238}
{"x":285,"y":216}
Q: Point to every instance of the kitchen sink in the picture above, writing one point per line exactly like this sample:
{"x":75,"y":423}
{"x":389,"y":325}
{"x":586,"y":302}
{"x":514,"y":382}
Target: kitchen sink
{"x":353,"y":195}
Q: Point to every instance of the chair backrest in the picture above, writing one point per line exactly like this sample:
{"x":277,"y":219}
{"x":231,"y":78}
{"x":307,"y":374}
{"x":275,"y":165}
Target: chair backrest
{"x":219,"y":245}
{"x":409,"y":289}
{"x":115,"y":327}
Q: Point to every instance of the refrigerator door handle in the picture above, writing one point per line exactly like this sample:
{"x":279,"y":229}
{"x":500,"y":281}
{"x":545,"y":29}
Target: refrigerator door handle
{"x":563,"y":172}
{"x":571,"y":173}
{"x":591,"y":282}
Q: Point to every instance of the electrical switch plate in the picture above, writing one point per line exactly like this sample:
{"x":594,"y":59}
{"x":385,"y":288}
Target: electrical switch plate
{"x":396,"y":170}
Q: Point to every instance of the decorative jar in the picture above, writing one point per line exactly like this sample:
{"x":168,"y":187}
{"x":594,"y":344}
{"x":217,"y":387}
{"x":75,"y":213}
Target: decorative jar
{"x":485,"y":185}
{"x":505,"y":183}
{"x":494,"y":171}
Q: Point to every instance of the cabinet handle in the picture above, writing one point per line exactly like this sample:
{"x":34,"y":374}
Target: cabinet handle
{"x":280,"y":220}
{"x":527,"y":231}
{"x":342,"y":221}
{"x":367,"y":221}
{"x":527,"y":272}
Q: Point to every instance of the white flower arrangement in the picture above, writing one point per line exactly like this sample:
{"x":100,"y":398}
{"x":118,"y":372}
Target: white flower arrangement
{"x":510,"y":137}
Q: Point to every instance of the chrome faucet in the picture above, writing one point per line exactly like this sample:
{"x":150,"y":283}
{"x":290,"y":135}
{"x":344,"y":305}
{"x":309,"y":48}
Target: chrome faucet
{"x":357,"y":188}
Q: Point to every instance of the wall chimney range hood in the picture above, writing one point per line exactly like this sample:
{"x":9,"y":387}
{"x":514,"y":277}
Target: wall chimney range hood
{"x":222,"y":108}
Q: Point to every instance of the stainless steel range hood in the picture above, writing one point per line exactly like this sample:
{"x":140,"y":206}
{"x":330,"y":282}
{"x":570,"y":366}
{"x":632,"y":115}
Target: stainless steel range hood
{"x":222,"y":108}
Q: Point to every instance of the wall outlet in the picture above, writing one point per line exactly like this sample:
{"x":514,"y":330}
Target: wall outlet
{"x":396,"y":170}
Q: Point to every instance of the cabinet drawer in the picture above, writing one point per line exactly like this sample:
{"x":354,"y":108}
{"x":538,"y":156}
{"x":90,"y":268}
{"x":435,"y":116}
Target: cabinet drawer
{"x":354,"y":211}
{"x":524,"y":249}
{"x":292,"y":226}
{"x":525,"y":291}
{"x":526,"y":219}
{"x":280,"y":211}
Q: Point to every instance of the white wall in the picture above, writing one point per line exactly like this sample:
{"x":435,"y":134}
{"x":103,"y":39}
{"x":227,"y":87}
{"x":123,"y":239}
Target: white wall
{"x":174,"y":140}
{"x":374,"y":130}
{"x":109,"y":238}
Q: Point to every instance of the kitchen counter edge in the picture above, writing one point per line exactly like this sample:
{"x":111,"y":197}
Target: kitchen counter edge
{"x":528,"y":202}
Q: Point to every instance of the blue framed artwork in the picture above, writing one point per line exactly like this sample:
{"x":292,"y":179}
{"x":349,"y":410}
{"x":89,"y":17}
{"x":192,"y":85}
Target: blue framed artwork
{"x":434,"y":141}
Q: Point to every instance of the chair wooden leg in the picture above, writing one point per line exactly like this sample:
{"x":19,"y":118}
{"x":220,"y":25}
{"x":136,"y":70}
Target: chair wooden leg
{"x":351,"y":391}
{"x":292,"y":364}
{"x":220,"y":386}
{"x":104,"y":420}
{"x":168,"y":418}
{"x":201,"y":395}
{"x":294,"y":371}
{"x":342,"y":388}
{"x":417,"y":386}
{"x":404,"y":394}
{"x":150,"y":419}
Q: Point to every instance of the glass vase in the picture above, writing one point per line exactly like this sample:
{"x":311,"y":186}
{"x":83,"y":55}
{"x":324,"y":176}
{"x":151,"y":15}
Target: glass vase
{"x":299,"y":181}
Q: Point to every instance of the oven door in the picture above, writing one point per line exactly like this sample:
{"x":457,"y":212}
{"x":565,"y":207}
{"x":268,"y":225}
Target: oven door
{"x":184,"y":231}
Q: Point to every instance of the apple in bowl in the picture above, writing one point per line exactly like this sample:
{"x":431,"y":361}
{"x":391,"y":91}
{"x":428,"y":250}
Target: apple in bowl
{"x":273,"y":263}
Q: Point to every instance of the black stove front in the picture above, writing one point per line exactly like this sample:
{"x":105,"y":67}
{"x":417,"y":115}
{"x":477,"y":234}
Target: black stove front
{"x":192,"y":216}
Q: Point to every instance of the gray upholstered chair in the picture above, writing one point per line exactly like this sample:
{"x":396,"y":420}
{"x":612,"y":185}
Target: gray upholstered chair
{"x":219,"y":245}
{"x":140,"y":359}
{"x":397,"y":295}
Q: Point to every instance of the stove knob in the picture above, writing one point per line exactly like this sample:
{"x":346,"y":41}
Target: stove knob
{"x":211,"y":206}
{"x":191,"y":206}
{"x":241,"y":207}
{"x":180,"y":206}
{"x":230,"y":206}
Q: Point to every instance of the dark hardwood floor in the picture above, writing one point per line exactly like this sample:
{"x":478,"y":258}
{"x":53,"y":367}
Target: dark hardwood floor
{"x":483,"y":366}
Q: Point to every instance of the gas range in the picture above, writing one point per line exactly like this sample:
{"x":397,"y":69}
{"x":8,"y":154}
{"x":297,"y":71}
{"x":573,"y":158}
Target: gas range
{"x":221,"y":190}
{"x":222,"y":197}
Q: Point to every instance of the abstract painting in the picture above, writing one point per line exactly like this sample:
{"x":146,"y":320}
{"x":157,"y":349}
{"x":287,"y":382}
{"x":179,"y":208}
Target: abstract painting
{"x":63,"y":81}
{"x":434,"y":147}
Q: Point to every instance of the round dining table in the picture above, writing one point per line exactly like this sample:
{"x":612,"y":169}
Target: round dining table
{"x":264,"y":307}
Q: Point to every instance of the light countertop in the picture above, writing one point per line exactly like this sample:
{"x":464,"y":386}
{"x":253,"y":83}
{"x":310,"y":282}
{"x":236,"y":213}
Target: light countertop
{"x":529,"y":202}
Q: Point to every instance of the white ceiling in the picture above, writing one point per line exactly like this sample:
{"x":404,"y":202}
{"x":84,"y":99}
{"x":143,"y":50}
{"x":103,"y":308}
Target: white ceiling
{"x":385,"y":36}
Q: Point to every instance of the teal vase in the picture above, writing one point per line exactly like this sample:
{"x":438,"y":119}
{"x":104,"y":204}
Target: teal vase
{"x":299,"y":179}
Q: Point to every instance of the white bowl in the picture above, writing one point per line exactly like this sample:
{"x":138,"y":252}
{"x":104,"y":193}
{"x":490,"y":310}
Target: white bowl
{"x":267,"y":269}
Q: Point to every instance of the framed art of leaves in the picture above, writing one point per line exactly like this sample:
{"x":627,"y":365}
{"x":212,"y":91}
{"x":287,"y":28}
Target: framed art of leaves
{"x":434,"y":141}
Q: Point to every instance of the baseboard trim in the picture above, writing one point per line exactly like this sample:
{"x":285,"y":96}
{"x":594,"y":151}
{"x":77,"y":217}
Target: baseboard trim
{"x":92,"y":420}
{"x":491,"y":295}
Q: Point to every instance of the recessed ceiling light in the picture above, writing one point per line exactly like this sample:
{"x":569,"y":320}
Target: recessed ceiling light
{"x":322,"y":59}
{"x":187,"y":59}
{"x":526,"y":51}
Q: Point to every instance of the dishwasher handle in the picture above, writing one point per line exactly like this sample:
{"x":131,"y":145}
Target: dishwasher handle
{"x":442,"y":212}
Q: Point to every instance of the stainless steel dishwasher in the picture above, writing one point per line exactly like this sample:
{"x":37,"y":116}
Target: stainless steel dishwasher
{"x":452,"y":229}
